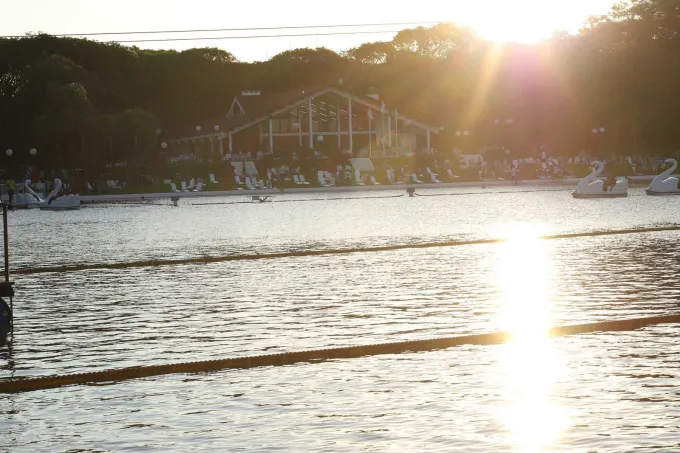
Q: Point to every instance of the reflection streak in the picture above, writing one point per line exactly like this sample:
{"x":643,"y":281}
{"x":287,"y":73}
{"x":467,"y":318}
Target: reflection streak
{"x":529,"y":365}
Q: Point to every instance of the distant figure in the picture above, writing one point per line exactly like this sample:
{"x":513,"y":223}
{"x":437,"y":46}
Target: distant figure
{"x":609,"y":183}
{"x":513,"y":172}
{"x":11,"y":188}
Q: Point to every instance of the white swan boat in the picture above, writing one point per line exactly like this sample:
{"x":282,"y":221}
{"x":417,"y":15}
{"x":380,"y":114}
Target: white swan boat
{"x":591,"y":187}
{"x":30,"y":200}
{"x":665,"y":184}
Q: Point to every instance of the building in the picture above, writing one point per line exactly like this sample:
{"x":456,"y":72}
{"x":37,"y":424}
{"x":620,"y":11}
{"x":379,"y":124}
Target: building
{"x":329,"y":118}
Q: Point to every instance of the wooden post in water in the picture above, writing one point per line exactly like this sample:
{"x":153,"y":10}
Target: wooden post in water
{"x":6,"y":290}
{"x":6,"y":238}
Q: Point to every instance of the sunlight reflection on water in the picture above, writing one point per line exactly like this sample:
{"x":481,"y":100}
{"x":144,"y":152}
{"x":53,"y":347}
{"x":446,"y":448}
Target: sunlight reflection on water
{"x":529,"y":364}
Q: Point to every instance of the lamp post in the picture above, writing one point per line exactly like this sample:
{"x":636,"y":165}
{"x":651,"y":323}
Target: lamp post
{"x":501,"y":136}
{"x":460,"y":134}
{"x":9,"y":152}
{"x":159,"y":139}
{"x":599,"y":132}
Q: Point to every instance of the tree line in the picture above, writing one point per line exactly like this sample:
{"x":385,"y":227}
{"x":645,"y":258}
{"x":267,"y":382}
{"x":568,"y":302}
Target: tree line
{"x":85,"y":103}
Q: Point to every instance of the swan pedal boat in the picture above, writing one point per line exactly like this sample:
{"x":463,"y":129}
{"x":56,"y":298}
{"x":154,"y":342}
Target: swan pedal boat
{"x":30,"y":200}
{"x":665,"y":184}
{"x":591,"y":187}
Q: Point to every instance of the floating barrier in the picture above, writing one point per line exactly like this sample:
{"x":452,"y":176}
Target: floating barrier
{"x":304,"y":253}
{"x":290,"y":358}
{"x":300,"y":201}
{"x":492,"y":192}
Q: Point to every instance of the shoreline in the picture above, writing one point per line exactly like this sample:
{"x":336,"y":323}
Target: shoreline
{"x":302,"y":189}
{"x":366,"y":188}
{"x":91,"y":199}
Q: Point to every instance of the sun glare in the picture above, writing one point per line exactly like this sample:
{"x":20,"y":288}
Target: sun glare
{"x":512,"y":31}
{"x":522,"y":21}
{"x":524,"y":275}
{"x":529,"y":364}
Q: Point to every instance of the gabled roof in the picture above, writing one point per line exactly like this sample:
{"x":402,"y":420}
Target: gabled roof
{"x":235,"y":106}
{"x":261,"y":108}
{"x":255,"y":107}
{"x":252,"y":103}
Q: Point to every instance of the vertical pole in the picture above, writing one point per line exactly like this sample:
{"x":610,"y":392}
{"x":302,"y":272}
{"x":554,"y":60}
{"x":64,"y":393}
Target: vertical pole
{"x":370,"y":139}
{"x":382,"y":130}
{"x":309,"y":114}
{"x":349,"y":113}
{"x":635,"y":133}
{"x":230,"y":144}
{"x":6,"y":238}
{"x":389,"y":130}
{"x":299,"y":112}
{"x":271,"y":137}
{"x":428,"y":138}
{"x":337,"y":120}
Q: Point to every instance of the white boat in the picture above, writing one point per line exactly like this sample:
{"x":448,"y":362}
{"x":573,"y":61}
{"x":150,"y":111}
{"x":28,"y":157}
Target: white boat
{"x":30,"y":200}
{"x":591,"y":187}
{"x":665,"y":184}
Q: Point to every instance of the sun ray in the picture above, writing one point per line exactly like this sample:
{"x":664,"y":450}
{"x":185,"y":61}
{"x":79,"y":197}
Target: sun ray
{"x":483,"y":86}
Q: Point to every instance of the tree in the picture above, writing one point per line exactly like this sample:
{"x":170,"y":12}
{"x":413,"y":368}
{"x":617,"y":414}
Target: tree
{"x":371,"y":53}
{"x":437,"y":42}
{"x":88,"y":103}
{"x":316,"y":56}
{"x":136,"y":136}
{"x":302,"y":68}
{"x":211,"y":54}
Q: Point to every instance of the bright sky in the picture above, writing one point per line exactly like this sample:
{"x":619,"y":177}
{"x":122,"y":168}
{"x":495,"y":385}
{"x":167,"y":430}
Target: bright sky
{"x":499,"y":20}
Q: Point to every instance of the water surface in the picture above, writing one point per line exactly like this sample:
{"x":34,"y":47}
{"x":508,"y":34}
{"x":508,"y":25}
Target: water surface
{"x":606,"y":392}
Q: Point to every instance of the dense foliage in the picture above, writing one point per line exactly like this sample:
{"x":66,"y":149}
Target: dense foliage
{"x":83,"y":103}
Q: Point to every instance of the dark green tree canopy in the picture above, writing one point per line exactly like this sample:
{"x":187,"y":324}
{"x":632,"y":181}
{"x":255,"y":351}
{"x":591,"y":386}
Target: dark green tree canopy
{"x":620,"y":71}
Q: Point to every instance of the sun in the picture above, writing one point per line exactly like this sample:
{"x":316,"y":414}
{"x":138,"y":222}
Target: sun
{"x":520,"y":29}
{"x":523,"y":21}
{"x":505,"y":34}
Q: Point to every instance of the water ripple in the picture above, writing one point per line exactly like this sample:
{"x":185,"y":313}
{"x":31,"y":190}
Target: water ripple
{"x":618,"y":391}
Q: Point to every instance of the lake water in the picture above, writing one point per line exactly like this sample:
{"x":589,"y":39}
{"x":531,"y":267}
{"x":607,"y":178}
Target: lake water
{"x":607,"y":392}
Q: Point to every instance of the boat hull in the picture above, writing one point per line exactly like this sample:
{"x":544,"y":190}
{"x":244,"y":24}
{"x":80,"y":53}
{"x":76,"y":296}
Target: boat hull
{"x":63,"y":203}
{"x":26,"y":206}
{"x":599,"y":195}
{"x":59,"y":208}
{"x":660,"y":194}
